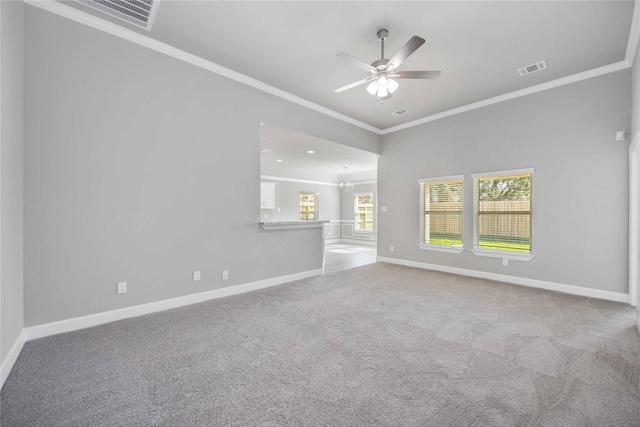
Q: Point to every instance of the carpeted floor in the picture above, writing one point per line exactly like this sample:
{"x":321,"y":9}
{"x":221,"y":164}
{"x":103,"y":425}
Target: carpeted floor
{"x":378,"y":345}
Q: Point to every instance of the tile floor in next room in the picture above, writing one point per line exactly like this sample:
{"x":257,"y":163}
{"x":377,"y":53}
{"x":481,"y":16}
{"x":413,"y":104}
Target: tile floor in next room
{"x":343,"y":256}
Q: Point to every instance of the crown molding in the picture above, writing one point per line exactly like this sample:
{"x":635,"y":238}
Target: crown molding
{"x":304,"y":181}
{"x":512,"y":95}
{"x":95,"y":22}
{"x":108,"y":27}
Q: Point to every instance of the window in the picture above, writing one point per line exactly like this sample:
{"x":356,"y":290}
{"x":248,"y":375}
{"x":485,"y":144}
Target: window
{"x":441,"y":213}
{"x":309,"y":206}
{"x":363,"y":203}
{"x":502,"y":213}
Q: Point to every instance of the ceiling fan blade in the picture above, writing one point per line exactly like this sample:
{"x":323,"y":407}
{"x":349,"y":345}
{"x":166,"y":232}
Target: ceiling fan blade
{"x":355,"y":61}
{"x":417,"y":74}
{"x":352,"y":85}
{"x":414,"y":43}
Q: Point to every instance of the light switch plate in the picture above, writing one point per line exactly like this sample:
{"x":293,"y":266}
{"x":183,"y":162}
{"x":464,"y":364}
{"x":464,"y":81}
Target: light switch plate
{"x":122,"y":287}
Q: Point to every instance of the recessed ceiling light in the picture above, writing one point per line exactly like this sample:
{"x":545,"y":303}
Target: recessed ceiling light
{"x":266,"y":150}
{"x":279,"y":160}
{"x":310,"y":152}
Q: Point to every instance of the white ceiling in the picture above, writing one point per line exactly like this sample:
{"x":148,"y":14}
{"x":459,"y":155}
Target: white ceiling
{"x":478,"y":45}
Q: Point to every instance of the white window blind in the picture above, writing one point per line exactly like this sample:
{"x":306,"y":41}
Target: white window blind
{"x":441,"y":201}
{"x":502,"y":211}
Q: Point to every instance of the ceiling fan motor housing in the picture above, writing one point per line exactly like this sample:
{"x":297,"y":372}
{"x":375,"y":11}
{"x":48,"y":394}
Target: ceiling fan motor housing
{"x":380,"y":64}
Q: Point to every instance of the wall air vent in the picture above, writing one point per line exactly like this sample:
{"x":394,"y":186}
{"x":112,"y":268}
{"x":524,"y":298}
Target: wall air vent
{"x":399,"y":113}
{"x":532,"y":68}
{"x":137,"y":12}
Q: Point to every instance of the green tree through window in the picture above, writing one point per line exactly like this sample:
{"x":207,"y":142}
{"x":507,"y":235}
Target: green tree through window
{"x":503,"y":213}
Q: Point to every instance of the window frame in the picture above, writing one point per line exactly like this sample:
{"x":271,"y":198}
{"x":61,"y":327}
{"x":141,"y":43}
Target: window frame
{"x":495,"y":253}
{"x":355,"y":212}
{"x":316,"y":206}
{"x":439,"y":248}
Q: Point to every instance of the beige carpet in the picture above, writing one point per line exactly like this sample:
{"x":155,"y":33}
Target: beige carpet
{"x":378,"y":345}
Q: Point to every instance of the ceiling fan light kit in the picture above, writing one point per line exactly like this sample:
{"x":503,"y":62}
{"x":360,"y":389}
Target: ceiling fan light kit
{"x":383,"y":72}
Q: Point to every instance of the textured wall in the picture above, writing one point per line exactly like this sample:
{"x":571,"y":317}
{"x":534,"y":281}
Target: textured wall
{"x":142,"y":168}
{"x":580,"y":212}
{"x":11,"y":142}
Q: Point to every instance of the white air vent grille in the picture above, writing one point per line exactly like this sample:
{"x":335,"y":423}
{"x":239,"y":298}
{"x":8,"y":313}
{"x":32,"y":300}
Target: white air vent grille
{"x":137,"y":12}
{"x":532,"y":68}
{"x":399,"y":113}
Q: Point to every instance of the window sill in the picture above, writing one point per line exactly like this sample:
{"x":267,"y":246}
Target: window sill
{"x":437,"y":248}
{"x":504,"y":255}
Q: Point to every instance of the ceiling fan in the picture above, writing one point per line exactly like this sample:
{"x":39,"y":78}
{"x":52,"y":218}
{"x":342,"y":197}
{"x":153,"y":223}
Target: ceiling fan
{"x":383,"y":71}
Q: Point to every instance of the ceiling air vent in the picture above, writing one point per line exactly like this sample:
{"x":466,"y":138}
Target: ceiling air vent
{"x":532,"y":68}
{"x":399,"y":113}
{"x":137,"y":12}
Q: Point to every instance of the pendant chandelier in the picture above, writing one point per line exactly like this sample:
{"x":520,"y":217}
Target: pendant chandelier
{"x":346,"y":185}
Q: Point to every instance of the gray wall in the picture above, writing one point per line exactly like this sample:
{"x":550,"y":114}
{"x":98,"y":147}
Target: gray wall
{"x":288,"y":200}
{"x":142,"y":168}
{"x":580,"y":218}
{"x":11,"y":155}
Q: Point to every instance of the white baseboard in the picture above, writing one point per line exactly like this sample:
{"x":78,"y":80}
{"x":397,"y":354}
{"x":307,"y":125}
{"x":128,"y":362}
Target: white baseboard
{"x":534,"y":283}
{"x":12,"y":356}
{"x":68,"y":325}
{"x":356,"y":242}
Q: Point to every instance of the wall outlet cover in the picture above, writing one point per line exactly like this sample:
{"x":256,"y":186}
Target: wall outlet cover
{"x":122,"y":287}
{"x":196,"y":276}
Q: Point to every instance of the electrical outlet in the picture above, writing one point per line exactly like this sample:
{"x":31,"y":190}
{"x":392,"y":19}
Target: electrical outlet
{"x":225,"y":274}
{"x":505,"y":262}
{"x":196,"y":276}
{"x":391,"y":248}
{"x":122,"y":287}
